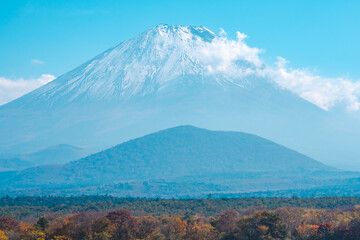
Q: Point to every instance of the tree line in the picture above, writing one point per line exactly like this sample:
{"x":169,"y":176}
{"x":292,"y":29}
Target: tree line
{"x":35,"y":207}
{"x":251,"y":224}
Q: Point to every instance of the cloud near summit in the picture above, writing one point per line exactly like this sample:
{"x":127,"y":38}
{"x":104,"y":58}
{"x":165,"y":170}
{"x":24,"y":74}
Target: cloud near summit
{"x":234,"y":59}
{"x":222,"y":55}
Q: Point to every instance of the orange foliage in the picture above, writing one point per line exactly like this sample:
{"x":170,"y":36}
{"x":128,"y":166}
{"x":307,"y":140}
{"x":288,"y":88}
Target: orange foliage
{"x":3,"y":236}
{"x":307,"y":230}
{"x":200,"y":231}
{"x":175,"y":227}
{"x":314,"y":227}
{"x":61,"y":238}
{"x":25,"y":227}
{"x":34,"y":235}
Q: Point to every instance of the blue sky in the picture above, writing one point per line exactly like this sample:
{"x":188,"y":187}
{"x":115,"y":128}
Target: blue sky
{"x":63,"y":34}
{"x":52,"y":37}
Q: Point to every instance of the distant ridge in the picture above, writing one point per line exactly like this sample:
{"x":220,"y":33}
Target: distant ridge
{"x":58,"y":154}
{"x":9,"y":164}
{"x":215,"y":161}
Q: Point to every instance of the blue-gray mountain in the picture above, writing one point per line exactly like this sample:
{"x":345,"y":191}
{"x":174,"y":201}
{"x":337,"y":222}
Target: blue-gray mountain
{"x":180,"y":161}
{"x":163,"y":78}
{"x":57,"y":154}
{"x":8,"y":164}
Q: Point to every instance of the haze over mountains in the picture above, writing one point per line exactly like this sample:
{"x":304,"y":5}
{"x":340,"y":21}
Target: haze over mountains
{"x":57,"y":154}
{"x":61,"y":153}
{"x":171,"y":76}
{"x":9,"y":164}
{"x":181,"y":161}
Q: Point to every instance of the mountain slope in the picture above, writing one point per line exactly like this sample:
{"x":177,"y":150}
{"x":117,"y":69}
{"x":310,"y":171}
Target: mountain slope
{"x":139,"y":66}
{"x":165,"y":77}
{"x":188,"y":151}
{"x":8,"y":164}
{"x":183,"y":159}
{"x":58,"y":154}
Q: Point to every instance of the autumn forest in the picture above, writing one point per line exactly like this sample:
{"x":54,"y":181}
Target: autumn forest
{"x":105,"y":217}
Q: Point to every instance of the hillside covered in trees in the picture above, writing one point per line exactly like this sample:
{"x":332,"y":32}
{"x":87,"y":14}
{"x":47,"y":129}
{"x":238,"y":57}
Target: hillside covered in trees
{"x":185,"y":162}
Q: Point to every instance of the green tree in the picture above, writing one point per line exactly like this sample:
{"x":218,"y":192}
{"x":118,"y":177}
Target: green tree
{"x":260,"y":226}
{"x":42,"y":224}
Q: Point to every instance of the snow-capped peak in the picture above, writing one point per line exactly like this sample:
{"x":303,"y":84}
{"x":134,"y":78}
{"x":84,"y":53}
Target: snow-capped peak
{"x":186,"y":33}
{"x":152,"y":60}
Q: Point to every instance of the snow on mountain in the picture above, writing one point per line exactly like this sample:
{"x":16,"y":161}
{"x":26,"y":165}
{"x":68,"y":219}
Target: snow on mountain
{"x":164,"y":77}
{"x":148,"y":63}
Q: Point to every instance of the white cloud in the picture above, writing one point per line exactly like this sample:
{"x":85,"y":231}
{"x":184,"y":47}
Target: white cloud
{"x":222,"y":56}
{"x":11,"y":89}
{"x":37,"y":62}
{"x":323,"y":92}
{"x":234,"y":58}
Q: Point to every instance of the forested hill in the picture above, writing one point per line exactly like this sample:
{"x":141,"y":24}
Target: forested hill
{"x":180,"y":162}
{"x":188,"y":151}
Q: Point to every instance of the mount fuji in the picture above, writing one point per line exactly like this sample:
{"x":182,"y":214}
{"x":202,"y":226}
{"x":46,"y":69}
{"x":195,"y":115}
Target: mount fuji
{"x":165,"y":77}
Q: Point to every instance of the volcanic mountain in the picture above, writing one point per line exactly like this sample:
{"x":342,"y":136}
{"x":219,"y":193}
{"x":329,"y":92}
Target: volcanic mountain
{"x":165,"y":77}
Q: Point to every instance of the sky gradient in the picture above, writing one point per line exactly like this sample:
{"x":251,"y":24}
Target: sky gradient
{"x":52,"y":37}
